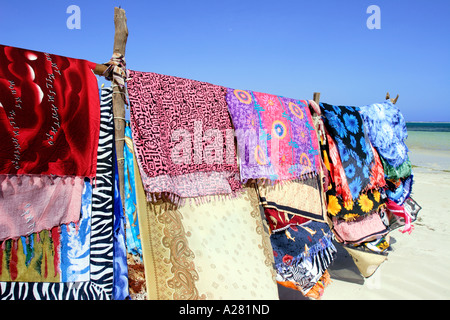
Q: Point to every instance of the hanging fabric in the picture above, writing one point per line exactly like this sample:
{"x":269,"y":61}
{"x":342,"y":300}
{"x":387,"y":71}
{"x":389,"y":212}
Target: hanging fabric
{"x":276,"y":138}
{"x":362,"y":229}
{"x":183,"y":137}
{"x":404,"y":215}
{"x":49,"y":115}
{"x":186,"y":242}
{"x":302,"y":198}
{"x":402,"y":171}
{"x":346,"y":127}
{"x":386,"y":128}
{"x":120,"y":282}
{"x":302,"y":254}
{"x":31,"y":204}
{"x":99,"y":283}
{"x":57,"y":255}
{"x":132,"y":222}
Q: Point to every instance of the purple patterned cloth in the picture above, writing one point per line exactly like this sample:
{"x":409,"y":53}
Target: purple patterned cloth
{"x":276,"y":138}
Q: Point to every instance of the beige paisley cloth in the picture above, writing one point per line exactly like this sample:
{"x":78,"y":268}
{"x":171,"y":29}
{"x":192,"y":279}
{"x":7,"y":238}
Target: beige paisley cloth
{"x":219,"y":249}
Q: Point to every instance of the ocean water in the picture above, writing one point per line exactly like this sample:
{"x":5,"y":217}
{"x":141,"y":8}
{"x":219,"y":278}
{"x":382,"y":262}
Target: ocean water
{"x":429,"y":146}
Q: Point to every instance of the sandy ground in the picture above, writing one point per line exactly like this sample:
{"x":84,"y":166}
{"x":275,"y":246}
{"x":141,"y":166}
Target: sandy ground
{"x":418,"y":266}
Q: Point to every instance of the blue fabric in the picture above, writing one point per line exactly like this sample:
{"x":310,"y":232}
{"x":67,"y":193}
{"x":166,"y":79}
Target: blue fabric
{"x":120,"y":283}
{"x":386,"y":128}
{"x":76,"y":242}
{"x":402,"y":192}
{"x":346,"y":126}
{"x":302,"y":253}
{"x":132,"y":225}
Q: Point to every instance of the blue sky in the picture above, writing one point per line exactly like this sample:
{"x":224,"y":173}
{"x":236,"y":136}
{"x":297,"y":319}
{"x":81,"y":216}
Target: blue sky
{"x":290,"y":48}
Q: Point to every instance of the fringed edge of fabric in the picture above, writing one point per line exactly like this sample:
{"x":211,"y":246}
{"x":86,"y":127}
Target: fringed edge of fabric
{"x":52,"y":233}
{"x":268,"y":182}
{"x":44,"y":179}
{"x":324,"y":249}
{"x":178,"y":201}
{"x":152,"y":185}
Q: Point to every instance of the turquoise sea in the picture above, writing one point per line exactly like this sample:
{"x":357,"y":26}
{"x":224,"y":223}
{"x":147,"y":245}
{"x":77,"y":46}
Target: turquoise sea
{"x":429,"y":145}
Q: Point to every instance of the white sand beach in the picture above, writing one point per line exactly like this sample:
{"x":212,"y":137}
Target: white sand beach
{"x":417,"y":267}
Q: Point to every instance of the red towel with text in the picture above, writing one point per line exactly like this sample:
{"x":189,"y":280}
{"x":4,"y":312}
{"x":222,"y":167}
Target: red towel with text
{"x":49,"y":114}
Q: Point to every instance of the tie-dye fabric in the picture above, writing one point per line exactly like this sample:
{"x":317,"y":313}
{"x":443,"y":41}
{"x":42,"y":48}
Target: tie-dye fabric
{"x":340,"y":204}
{"x":402,"y":171}
{"x":386,"y":128}
{"x":347,"y":128}
{"x":132,"y":222}
{"x":276,"y":138}
{"x":280,"y":220}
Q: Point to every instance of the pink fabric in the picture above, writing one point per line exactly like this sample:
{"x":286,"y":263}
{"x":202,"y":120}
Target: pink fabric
{"x":399,"y":211}
{"x":362,"y":229}
{"x":182,"y":135}
{"x":32,"y":203}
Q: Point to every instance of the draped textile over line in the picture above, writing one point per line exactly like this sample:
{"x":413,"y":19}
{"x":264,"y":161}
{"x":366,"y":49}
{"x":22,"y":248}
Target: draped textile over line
{"x":49,"y":124}
{"x":346,"y":127}
{"x":100,"y":283}
{"x":57,"y":255}
{"x":276,"y":138}
{"x":387,"y":131}
{"x":187,"y":242}
{"x":183,"y":136}
{"x":49,"y":116}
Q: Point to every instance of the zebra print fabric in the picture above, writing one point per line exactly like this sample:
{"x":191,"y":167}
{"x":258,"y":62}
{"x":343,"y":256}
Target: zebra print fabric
{"x":100,"y":286}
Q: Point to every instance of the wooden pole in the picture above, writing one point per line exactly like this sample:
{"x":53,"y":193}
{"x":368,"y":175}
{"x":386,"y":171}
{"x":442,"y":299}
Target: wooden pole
{"x":316,"y":97}
{"x":118,"y":99}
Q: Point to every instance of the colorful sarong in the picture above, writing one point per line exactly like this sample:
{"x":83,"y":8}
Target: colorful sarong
{"x":49,"y":115}
{"x":183,"y":136}
{"x":386,"y":129}
{"x":362,"y":229}
{"x":120,"y":282}
{"x":99,"y":282}
{"x":400,"y":190}
{"x":132,"y":222}
{"x":403,"y":215}
{"x":402,"y":171}
{"x":57,"y":255}
{"x":339,"y":200}
{"x":276,"y":138}
{"x":347,"y":129}
{"x":302,"y":254}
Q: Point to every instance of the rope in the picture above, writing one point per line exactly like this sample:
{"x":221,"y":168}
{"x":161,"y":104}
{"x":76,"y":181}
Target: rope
{"x":117,"y":73}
